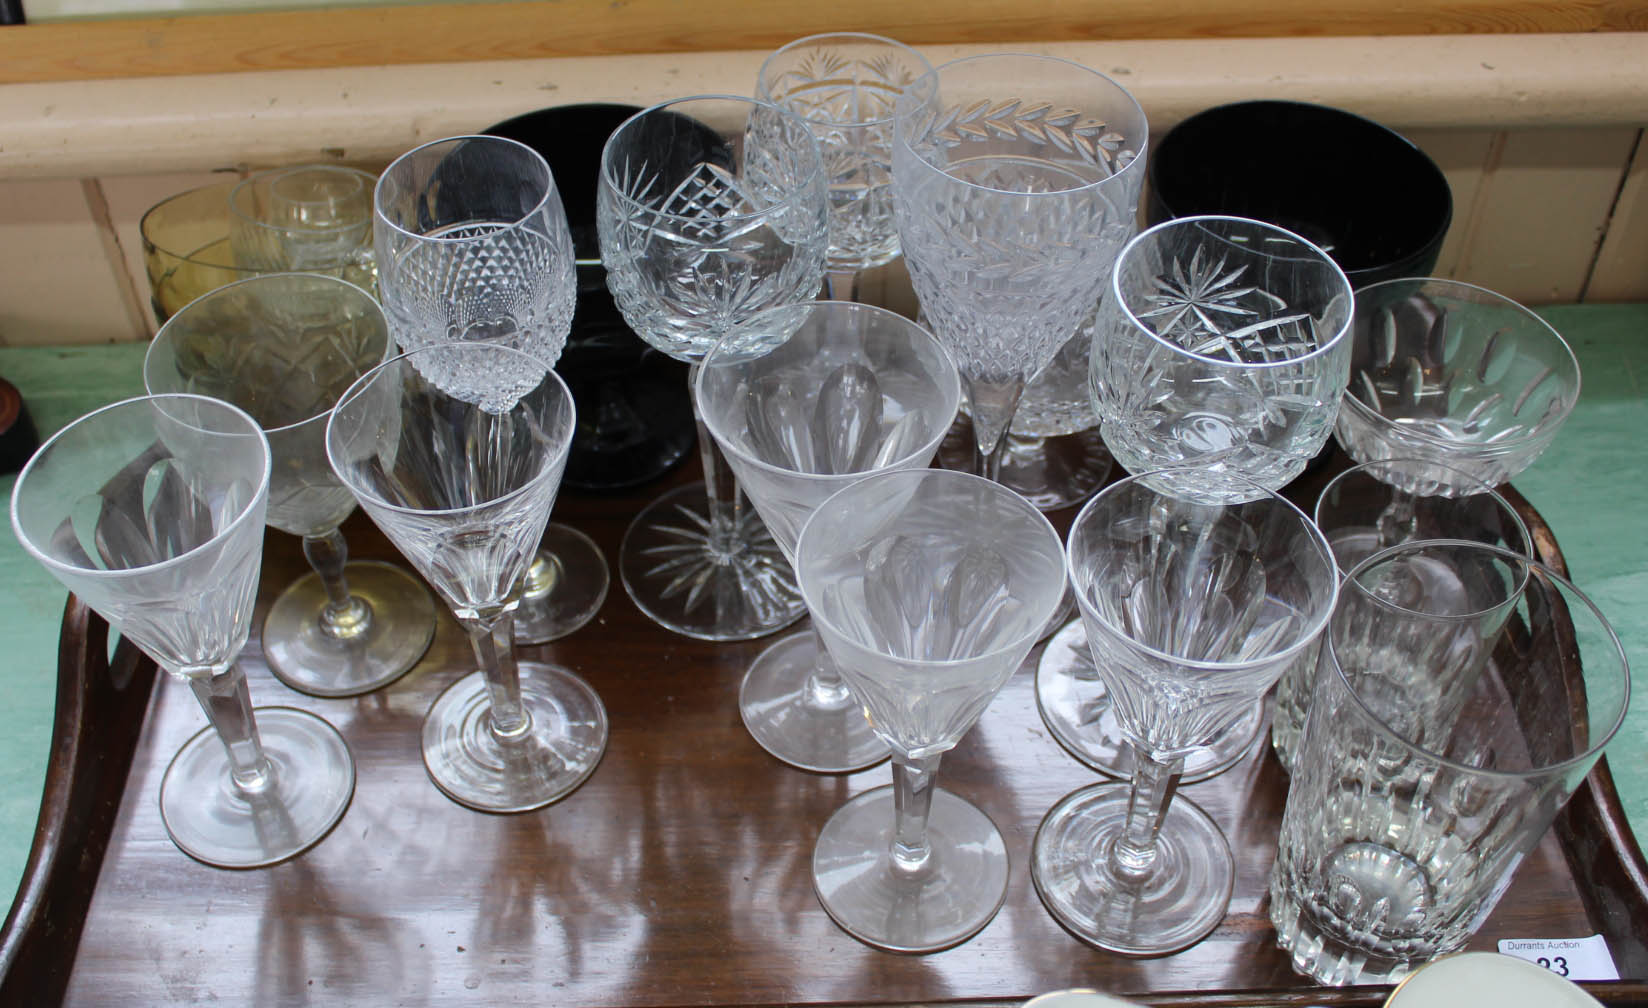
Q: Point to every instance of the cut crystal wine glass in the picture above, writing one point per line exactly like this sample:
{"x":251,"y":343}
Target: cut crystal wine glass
{"x":846,"y":86}
{"x":151,"y":511}
{"x":1222,"y":345}
{"x":473,"y":245}
{"x":710,"y":210}
{"x":803,"y":400}
{"x":929,"y":588}
{"x":455,"y":451}
{"x":1193,"y":609}
{"x":283,"y":347}
{"x":1016,"y":179}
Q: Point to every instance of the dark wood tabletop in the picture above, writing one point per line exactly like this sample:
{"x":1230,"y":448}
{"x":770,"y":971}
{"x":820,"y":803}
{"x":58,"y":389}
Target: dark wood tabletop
{"x":677,"y":875}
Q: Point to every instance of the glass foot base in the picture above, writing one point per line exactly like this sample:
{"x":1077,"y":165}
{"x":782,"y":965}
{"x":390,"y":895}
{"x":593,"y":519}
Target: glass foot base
{"x":474,"y":767}
{"x":1183,"y":898}
{"x":1050,"y":472}
{"x":675,"y":578}
{"x":957,"y":893}
{"x":311,"y":780}
{"x":778,"y":707}
{"x":308,"y":659}
{"x":1075,"y":705}
{"x":565,"y":586}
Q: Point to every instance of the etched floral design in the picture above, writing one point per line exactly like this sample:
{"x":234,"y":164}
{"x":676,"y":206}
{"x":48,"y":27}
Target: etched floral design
{"x":1204,"y":307}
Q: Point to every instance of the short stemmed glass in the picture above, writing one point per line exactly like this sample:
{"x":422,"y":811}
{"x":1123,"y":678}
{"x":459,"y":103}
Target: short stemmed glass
{"x":309,"y":218}
{"x":151,"y":511}
{"x":805,"y":399}
{"x":846,"y":85}
{"x":1221,"y":344}
{"x":456,"y":451}
{"x":283,"y":347}
{"x":473,"y":245}
{"x":1193,"y":609}
{"x":929,"y":587}
{"x":710,"y":209}
{"x":1015,"y":178}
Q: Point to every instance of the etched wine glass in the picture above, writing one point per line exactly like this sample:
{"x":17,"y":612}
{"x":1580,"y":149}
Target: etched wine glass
{"x":151,"y":511}
{"x":1015,"y":181}
{"x":929,"y":588}
{"x":803,"y":400}
{"x":1193,"y":608}
{"x":473,"y":245}
{"x":1222,"y":344}
{"x":710,"y":209}
{"x":845,"y":85}
{"x":283,"y":347}
{"x":455,"y":451}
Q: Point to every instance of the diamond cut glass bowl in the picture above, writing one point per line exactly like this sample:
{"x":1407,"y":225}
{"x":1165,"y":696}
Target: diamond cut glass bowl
{"x":1456,"y":378}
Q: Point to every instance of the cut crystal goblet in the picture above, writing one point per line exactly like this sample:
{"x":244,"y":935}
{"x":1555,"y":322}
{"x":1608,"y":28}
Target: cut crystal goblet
{"x":929,"y":588}
{"x":710,"y":210}
{"x":473,"y":245}
{"x":283,"y":347}
{"x":803,"y":400}
{"x":151,"y":511}
{"x":455,"y":451}
{"x":1193,"y":609}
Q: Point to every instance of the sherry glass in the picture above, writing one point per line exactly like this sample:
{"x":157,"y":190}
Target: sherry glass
{"x":1016,"y":180}
{"x":710,"y":209}
{"x":456,"y":451}
{"x":151,"y":511}
{"x":1222,"y":344}
{"x":846,"y":85}
{"x":283,"y":347}
{"x":473,"y":245}
{"x":1193,"y":608}
{"x":308,"y":218}
{"x":803,"y":400}
{"x":929,"y":588}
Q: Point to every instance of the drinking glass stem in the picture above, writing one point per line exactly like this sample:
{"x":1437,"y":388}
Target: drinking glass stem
{"x":993,"y":405}
{"x":1132,"y":853}
{"x":841,"y":284}
{"x":825,"y":689}
{"x":344,"y":617}
{"x":720,"y":485}
{"x":228,"y":706}
{"x":912,"y":801}
{"x":492,"y":639}
{"x":1399,"y":520}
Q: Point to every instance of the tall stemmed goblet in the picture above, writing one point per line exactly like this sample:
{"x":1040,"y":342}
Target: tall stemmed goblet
{"x":1016,"y":179}
{"x":1193,"y":609}
{"x":151,"y":510}
{"x":456,"y":451}
{"x":929,"y":587}
{"x":283,"y":347}
{"x":846,"y":86}
{"x":805,"y":399}
{"x":710,"y":210}
{"x":473,"y":245}
{"x":1221,"y":344}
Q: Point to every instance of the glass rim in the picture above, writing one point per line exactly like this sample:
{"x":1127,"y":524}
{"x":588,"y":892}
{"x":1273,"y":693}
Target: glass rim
{"x":147,"y":238}
{"x":1532,"y":569}
{"x":1340,"y":336}
{"x":259,"y":494}
{"x":764,"y":90}
{"x":794,"y":197}
{"x":1482,"y":489}
{"x":370,"y":181}
{"x":360,"y":385}
{"x":264,"y":279}
{"x":1374,"y":418}
{"x":711,"y":421}
{"x":928,"y":473}
{"x":901,"y":139}
{"x":1312,"y":532}
{"x":550,"y":191}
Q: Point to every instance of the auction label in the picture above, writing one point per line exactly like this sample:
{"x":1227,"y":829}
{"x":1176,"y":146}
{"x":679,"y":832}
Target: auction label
{"x":1573,"y":958}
